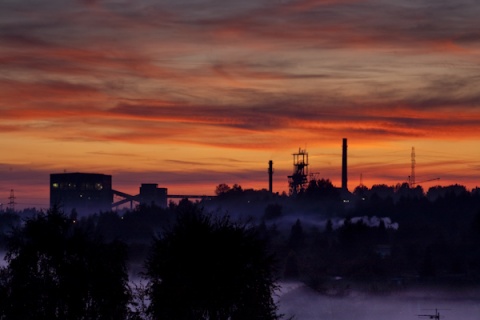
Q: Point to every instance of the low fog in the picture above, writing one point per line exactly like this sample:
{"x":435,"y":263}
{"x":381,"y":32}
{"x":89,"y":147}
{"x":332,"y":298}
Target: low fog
{"x":285,"y":222}
{"x":295,"y":299}
{"x":3,"y":263}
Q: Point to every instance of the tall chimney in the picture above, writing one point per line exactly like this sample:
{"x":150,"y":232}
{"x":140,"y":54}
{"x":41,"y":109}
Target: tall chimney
{"x":270,"y":176}
{"x":344,"y":165}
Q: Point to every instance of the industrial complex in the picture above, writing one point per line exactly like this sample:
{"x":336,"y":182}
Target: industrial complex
{"x":89,"y":193}
{"x":92,"y":192}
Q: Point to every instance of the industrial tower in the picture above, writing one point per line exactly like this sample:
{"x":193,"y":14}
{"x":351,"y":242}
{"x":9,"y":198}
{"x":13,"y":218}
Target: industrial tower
{"x":299,"y":178}
{"x":270,"y":176}
{"x":344,"y":166}
{"x":411,"y":178}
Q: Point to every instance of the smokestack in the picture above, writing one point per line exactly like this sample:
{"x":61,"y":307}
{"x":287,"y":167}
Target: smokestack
{"x":344,"y":165}
{"x":270,"y":176}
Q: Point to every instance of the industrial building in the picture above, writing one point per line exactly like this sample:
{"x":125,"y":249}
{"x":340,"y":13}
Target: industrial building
{"x":150,"y":194}
{"x":85,"y":192}
{"x":89,"y":193}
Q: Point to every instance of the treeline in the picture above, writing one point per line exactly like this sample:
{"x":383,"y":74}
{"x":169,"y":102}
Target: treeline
{"x":385,"y":237}
{"x":194,"y":266}
{"x":393,"y":235}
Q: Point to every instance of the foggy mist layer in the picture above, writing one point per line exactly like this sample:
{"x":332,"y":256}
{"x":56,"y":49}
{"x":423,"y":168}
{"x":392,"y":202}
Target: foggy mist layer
{"x":295,"y":299}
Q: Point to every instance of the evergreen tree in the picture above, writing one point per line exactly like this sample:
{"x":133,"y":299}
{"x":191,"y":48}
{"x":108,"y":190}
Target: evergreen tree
{"x":296,"y":240}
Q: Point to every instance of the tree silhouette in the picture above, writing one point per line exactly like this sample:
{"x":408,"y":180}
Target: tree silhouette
{"x":272,"y":211}
{"x":322,"y":188}
{"x":222,"y":189}
{"x":291,"y":266}
{"x":296,"y":240}
{"x":57,"y":271}
{"x":210,"y":268}
{"x":329,"y":226}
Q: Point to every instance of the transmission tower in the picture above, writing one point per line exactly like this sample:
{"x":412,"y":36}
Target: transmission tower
{"x":11,"y":200}
{"x":411,"y":179}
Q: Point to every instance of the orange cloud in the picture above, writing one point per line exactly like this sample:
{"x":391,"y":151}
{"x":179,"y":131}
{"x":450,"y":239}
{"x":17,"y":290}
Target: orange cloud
{"x":253,"y":79}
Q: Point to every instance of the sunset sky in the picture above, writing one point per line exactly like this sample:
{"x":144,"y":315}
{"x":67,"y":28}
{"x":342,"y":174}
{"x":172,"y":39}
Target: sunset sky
{"x":192,"y":93}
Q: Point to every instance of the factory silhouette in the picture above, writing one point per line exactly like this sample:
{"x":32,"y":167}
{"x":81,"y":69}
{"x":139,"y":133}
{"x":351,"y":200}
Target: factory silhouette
{"x":88,"y":193}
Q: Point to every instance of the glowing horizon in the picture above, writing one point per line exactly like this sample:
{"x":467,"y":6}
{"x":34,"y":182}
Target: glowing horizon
{"x":189,"y":95}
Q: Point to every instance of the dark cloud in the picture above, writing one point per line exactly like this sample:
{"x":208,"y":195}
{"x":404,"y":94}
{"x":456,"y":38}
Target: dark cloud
{"x":89,"y":2}
{"x":23,"y":40}
{"x":24,"y":173}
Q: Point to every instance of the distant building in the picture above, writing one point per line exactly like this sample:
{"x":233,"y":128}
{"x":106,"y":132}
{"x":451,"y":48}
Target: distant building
{"x":87,"y":193}
{"x":150,"y":194}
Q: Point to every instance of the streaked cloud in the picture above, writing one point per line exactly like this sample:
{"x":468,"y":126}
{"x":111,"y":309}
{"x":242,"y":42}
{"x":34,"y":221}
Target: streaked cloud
{"x":248,"y":78}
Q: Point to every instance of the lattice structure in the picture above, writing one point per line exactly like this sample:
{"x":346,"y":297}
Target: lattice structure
{"x":299,"y":178}
{"x":11,"y":200}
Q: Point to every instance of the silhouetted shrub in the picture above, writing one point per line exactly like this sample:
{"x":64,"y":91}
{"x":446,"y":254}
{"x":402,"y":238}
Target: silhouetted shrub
{"x":272,"y":211}
{"x":57,"y":271}
{"x":210,"y":268}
